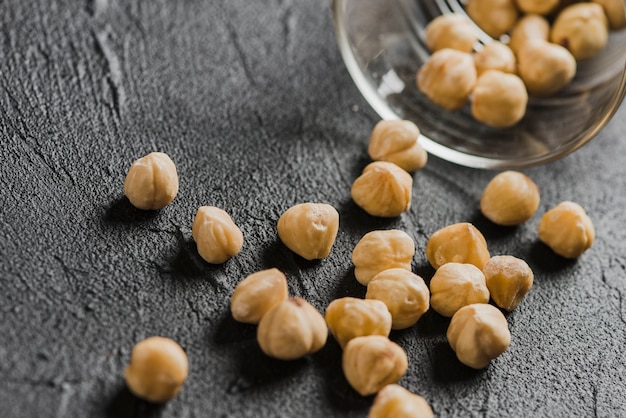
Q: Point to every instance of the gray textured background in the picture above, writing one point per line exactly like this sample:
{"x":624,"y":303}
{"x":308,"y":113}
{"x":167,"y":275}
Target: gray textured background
{"x":252,"y":102}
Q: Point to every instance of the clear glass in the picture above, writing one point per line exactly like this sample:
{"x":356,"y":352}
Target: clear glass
{"x":382,"y":44}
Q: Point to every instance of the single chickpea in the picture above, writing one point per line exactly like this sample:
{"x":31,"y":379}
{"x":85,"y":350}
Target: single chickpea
{"x":540,"y":7}
{"x":151,"y":182}
{"x":396,"y":141}
{"x":495,"y":17}
{"x":545,"y":67}
{"x":348,"y":318}
{"x":447,"y":78}
{"x":404,"y":293}
{"x":216,"y":235}
{"x":459,"y":243}
{"x":510,"y":198}
{"x":567,"y":229}
{"x":309,"y":229}
{"x":394,"y":401}
{"x":157,"y":369}
{"x":381,"y":250}
{"x":291,"y":330}
{"x":530,"y":26}
{"x":499,"y":99}
{"x":582,"y":28}
{"x":508,"y":279}
{"x":478,"y":333}
{"x":495,"y":56}
{"x":455,"y":285}
{"x":372,"y":362}
{"x":615,"y":12}
{"x":257,"y":294}
{"x":452,"y":31}
{"x":383,"y":189}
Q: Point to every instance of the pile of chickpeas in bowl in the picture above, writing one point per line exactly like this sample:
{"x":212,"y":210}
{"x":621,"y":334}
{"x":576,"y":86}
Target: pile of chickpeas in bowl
{"x":536,"y":48}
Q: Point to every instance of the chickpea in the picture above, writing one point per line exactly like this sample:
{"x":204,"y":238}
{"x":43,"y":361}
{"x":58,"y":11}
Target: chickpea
{"x":615,"y":12}
{"x":216,"y":235}
{"x":545,"y":67}
{"x":540,"y":7}
{"x":447,"y":78}
{"x":460,"y":243}
{"x":567,"y":229}
{"x":383,"y":189}
{"x":582,"y":28}
{"x":404,"y":293}
{"x":510,"y":198}
{"x":394,"y":401}
{"x":495,"y":56}
{"x":381,"y":250}
{"x":309,"y":229}
{"x":455,"y":285}
{"x":499,"y":99}
{"x":508,"y":279}
{"x":257,"y":294}
{"x":372,"y":362}
{"x":151,"y":182}
{"x":495,"y":17}
{"x":348,"y":318}
{"x":396,"y":141}
{"x":452,"y":31}
{"x":478,"y":333}
{"x":157,"y":369}
{"x":530,"y":26}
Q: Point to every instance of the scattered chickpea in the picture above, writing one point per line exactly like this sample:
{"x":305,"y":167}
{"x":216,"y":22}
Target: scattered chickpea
{"x":495,"y":17}
{"x":450,"y":31}
{"x":291,"y":330}
{"x":151,"y":182}
{"x":396,"y":141}
{"x":545,"y":67}
{"x":510,"y":198}
{"x":348,"y":318}
{"x":582,"y":28}
{"x":394,"y":401}
{"x":459,"y":243}
{"x":478,"y":333}
{"x":530,"y":26}
{"x":404,"y":293}
{"x":508,"y":279}
{"x":372,"y":362}
{"x":455,"y":285}
{"x":499,"y":99}
{"x":567,"y":229}
{"x":383,"y":189}
{"x":216,"y":235}
{"x":615,"y":12}
{"x":257,"y":294}
{"x":447,"y":78}
{"x":381,"y":250}
{"x":309,"y":229}
{"x":540,"y":7}
{"x":157,"y":369}
{"x":495,"y":56}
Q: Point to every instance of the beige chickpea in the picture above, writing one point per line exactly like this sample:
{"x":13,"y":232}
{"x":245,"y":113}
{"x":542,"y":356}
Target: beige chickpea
{"x":218,"y":238}
{"x":157,"y":369}
{"x":540,"y":7}
{"x":459,"y":243}
{"x":455,"y":285}
{"x":257,"y":294}
{"x":371,"y":362}
{"x":545,"y":67}
{"x":450,"y":31}
{"x":495,"y":17}
{"x":615,"y":12}
{"x":530,"y":26}
{"x":499,"y":99}
{"x":151,"y":182}
{"x":508,"y":279}
{"x":567,"y":229}
{"x":309,"y":229}
{"x":348,"y":318}
{"x":447,"y":78}
{"x":291,"y":330}
{"x":478,"y":333}
{"x":495,"y":56}
{"x":383,"y":189}
{"x":377,"y":251}
{"x":404,"y":293}
{"x":582,"y":28}
{"x":396,"y":141}
{"x":394,"y":401}
{"x":510,"y":198}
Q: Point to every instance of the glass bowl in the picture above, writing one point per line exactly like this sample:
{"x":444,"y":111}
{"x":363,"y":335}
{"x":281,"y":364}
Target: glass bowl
{"x":382,"y":44}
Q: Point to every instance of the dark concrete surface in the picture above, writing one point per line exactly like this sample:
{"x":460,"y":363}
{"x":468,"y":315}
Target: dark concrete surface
{"x":253,"y":103}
